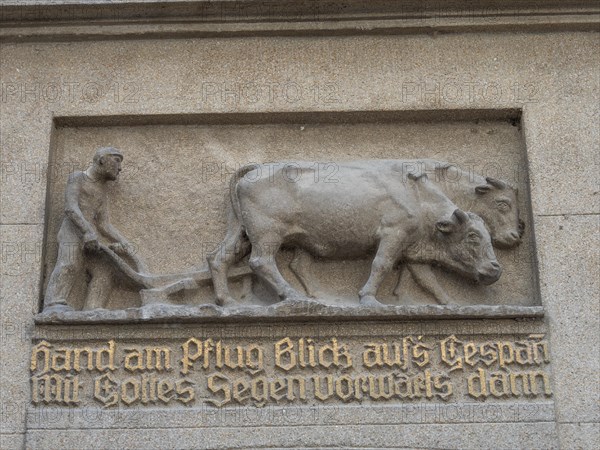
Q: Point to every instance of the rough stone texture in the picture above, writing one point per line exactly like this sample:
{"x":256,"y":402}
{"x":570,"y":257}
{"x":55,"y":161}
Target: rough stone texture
{"x":572,"y":346}
{"x":12,"y":441}
{"x":377,"y":63}
{"x":515,"y":435}
{"x":552,"y":76}
{"x":206,"y":18}
{"x":579,"y":436}
{"x":373,"y":414}
{"x":19,"y":298}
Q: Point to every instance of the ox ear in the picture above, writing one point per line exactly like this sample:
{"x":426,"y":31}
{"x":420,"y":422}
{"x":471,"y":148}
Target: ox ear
{"x":422,"y":176}
{"x":445,"y":226}
{"x":498,"y":184}
{"x":461,"y":216}
{"x":483,"y":189}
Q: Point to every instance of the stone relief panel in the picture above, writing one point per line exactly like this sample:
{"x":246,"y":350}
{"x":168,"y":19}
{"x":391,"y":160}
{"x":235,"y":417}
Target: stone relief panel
{"x":319,"y":217}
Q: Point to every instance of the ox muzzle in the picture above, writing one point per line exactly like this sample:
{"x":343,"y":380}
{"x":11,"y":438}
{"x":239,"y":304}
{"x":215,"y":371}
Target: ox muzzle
{"x":490,"y":273}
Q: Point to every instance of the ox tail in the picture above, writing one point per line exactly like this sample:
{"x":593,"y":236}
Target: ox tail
{"x":235,"y":202}
{"x":235,"y":245}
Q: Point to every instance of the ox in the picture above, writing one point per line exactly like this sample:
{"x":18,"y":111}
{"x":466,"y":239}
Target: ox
{"x":371,"y":209}
{"x":494,"y":200}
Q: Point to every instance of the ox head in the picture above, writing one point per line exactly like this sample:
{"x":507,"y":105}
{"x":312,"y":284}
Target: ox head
{"x":497,"y":205}
{"x":467,"y":247}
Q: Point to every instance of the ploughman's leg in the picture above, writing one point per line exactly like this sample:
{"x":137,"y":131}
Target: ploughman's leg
{"x":100,"y":286}
{"x":69,"y":267}
{"x":424,"y":277}
{"x":232,"y":249}
{"x":387,"y":254}
{"x":262,"y":262}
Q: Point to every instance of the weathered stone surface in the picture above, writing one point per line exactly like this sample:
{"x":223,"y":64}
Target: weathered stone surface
{"x":579,"y":435}
{"x":322,"y":415}
{"x":573,"y":313}
{"x":525,"y":82}
{"x":12,"y":441}
{"x":20,"y":262}
{"x":518,"y":435}
{"x":188,"y":98}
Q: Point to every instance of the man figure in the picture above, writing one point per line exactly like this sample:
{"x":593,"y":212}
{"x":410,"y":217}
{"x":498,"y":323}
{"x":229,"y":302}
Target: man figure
{"x":86,"y":218}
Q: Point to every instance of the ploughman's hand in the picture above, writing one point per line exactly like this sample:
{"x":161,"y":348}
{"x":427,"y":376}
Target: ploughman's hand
{"x":121,"y":248}
{"x":90,"y":243}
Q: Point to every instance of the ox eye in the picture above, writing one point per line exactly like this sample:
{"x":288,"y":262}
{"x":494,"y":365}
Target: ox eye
{"x":473,"y":236}
{"x":503,"y":206}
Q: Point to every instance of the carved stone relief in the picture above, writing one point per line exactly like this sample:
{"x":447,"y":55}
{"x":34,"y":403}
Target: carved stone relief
{"x":430,"y":217}
{"x":374,"y":206}
{"x":83,"y":254}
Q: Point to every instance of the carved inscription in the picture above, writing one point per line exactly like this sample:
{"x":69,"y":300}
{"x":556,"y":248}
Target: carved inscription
{"x":291,"y":369}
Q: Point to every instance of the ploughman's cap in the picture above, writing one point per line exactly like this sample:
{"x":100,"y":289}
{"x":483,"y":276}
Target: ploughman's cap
{"x":103,"y":151}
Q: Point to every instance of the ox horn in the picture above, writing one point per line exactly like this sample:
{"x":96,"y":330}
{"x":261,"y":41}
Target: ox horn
{"x":521,"y":227}
{"x":499,"y":184}
{"x":460,"y":215}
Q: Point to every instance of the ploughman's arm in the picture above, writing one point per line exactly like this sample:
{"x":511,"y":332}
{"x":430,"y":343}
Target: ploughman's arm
{"x":424,"y":277}
{"x":120,"y":245}
{"x":73,"y":212}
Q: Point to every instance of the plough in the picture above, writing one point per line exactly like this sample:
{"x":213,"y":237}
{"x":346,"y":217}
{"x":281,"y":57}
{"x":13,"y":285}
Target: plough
{"x":156,"y":288}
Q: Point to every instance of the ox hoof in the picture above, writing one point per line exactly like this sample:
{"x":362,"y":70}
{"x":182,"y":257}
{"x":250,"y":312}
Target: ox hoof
{"x":299,"y":298}
{"x":57,"y":308}
{"x":227,"y":302}
{"x":444,"y":300}
{"x":370,"y":300}
{"x":315,"y":295}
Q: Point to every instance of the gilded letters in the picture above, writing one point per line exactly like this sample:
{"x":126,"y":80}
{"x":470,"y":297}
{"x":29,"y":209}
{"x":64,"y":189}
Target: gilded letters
{"x":223,"y":372}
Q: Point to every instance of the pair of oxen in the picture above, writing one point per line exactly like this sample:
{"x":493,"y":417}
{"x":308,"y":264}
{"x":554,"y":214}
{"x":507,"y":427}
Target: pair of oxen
{"x":417,"y":213}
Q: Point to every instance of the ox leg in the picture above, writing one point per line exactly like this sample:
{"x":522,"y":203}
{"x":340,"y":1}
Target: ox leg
{"x":262,"y":262}
{"x":398,"y":288}
{"x":424,"y":277}
{"x":232,"y":249}
{"x":386,"y":257}
{"x":300,"y":266}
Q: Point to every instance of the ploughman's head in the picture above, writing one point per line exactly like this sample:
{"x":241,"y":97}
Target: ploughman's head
{"x":107,"y":163}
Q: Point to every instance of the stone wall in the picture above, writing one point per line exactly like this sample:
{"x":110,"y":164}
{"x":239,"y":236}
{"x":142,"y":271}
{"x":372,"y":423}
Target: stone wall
{"x":512,"y":90}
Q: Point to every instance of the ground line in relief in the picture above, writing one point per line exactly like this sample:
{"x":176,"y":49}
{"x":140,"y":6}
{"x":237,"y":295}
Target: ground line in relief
{"x":299,"y":426}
